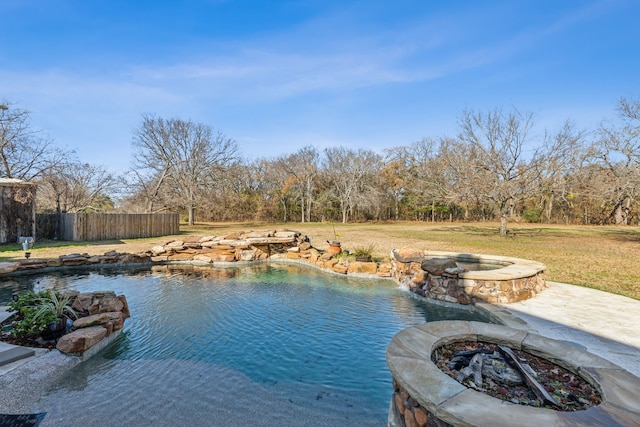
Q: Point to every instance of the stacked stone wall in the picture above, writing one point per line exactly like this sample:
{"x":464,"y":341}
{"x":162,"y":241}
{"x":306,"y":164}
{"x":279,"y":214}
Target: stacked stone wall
{"x":99,"y":315}
{"x":519,"y":280}
{"x":440,"y":278}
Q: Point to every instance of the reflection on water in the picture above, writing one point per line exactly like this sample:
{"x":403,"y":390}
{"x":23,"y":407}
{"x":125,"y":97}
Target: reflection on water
{"x":311,"y":339}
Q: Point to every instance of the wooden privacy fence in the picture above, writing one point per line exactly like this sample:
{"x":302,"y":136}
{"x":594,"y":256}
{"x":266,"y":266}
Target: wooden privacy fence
{"x":86,"y":227}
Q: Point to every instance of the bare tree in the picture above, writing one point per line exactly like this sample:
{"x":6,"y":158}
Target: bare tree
{"x":430,"y":177}
{"x":24,"y":154}
{"x":350,"y":173}
{"x":302,"y":168}
{"x":499,"y":141}
{"x":562,"y":162}
{"x":463,"y":182}
{"x":618,"y":154}
{"x":180,"y":157}
{"x":395,"y":175}
{"x":279,"y":187}
{"x":75,"y":187}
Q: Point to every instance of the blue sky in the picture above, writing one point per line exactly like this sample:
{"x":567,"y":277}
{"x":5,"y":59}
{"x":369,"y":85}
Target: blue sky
{"x":279,"y":75}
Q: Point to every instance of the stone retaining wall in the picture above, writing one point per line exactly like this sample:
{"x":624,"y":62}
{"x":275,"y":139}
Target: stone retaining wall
{"x":99,"y":315}
{"x":516,"y":280}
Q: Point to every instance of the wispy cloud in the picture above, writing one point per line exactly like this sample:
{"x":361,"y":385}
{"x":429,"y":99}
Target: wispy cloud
{"x":322,"y":70}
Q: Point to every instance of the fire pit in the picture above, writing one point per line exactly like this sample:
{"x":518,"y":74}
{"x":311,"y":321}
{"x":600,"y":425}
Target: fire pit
{"x":425,"y":395}
{"x":515,"y":376}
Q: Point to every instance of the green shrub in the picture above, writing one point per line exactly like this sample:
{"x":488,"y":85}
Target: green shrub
{"x":532,"y":215}
{"x":364,"y":251}
{"x":26,"y":300}
{"x":37,"y":310}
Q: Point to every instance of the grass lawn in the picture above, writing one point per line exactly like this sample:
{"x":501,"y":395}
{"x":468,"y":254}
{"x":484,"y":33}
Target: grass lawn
{"x":600,"y":257}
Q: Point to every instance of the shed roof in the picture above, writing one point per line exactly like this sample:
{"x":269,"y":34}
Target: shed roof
{"x":8,"y":182}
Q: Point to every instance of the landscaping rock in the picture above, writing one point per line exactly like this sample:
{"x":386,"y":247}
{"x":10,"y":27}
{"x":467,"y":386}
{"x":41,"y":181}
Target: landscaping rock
{"x":109,"y":303}
{"x":8,"y":267}
{"x":134,"y":258}
{"x":74,"y":259}
{"x":257,"y":234}
{"x":116,"y":317}
{"x":81,"y":339}
{"x":180,"y":256}
{"x":408,"y":254}
{"x":158,"y":250}
{"x":340,"y":268}
{"x":437,"y":266}
{"x":31,"y":264}
{"x":222,"y":256}
{"x":363,"y":267}
{"x":125,"y":307}
{"x":246,"y":254}
{"x":286,"y":234}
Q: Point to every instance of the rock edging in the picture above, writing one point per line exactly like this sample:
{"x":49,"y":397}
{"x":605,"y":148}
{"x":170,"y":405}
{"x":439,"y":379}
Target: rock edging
{"x":515,"y":280}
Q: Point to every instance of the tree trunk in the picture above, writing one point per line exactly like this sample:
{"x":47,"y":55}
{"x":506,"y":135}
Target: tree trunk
{"x":396,"y":212}
{"x":626,"y":209}
{"x":192,"y":211}
{"x":433,"y":210}
{"x":503,"y":225}
{"x":620,"y":213}
{"x":549,"y":207}
{"x":284,"y":208}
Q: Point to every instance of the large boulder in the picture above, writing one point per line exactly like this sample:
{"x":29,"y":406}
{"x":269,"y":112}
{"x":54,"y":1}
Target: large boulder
{"x":257,"y":234}
{"x":125,"y":307}
{"x":81,"y":339}
{"x":222,"y":256}
{"x":286,"y":234}
{"x":115,"y":317}
{"x":74,"y":259}
{"x":363,"y":267}
{"x":408,"y":254}
{"x":158,"y":250}
{"x":8,"y":267}
{"x":437,"y":266}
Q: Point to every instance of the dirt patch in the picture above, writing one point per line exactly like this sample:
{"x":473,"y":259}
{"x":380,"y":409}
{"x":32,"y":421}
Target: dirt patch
{"x":569,"y":390}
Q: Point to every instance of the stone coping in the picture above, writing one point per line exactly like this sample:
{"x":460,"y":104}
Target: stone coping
{"x":409,"y":359}
{"x":512,"y":268}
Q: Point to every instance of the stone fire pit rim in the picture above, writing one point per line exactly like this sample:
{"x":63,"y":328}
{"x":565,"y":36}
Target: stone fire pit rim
{"x":409,"y":360}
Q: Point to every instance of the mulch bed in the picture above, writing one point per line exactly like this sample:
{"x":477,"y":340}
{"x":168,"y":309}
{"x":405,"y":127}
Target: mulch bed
{"x":28,"y":341}
{"x":571,"y":391}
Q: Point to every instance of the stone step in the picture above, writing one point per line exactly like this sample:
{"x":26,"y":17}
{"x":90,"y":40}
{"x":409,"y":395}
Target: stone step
{"x":10,"y":353}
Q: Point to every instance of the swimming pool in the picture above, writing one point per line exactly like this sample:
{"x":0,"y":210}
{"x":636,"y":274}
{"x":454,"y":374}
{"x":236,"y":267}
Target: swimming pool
{"x":264,"y":344}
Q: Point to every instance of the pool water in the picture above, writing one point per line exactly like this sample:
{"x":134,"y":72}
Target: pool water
{"x":266,"y":344}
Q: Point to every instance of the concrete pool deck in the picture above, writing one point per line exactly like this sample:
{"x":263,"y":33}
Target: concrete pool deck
{"x":604,"y":324}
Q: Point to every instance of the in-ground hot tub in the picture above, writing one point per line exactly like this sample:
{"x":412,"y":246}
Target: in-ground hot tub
{"x":467,"y":278}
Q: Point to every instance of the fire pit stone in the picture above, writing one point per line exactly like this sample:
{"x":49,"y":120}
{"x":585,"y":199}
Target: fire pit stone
{"x":425,"y":395}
